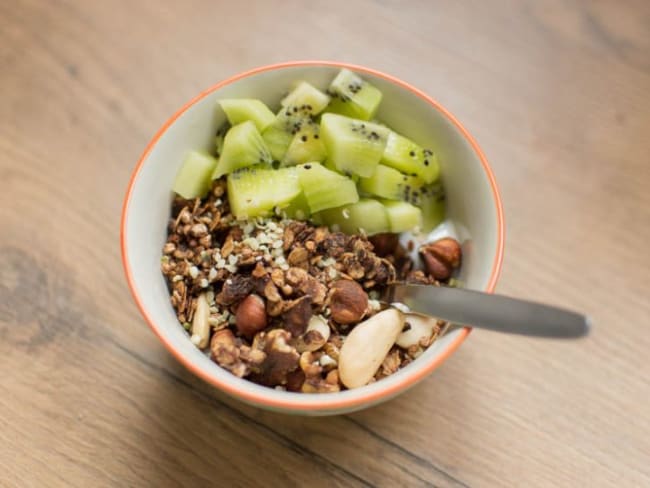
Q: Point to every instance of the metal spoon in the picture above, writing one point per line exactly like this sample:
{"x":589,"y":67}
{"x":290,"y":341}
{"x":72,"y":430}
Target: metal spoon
{"x":487,"y":311}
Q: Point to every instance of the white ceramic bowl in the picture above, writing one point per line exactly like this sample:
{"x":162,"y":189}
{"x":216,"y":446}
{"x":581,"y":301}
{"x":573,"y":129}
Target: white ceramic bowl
{"x":474,"y":210}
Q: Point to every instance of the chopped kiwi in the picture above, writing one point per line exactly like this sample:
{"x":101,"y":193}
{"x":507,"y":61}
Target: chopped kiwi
{"x":353,"y":96}
{"x":406,"y":156}
{"x":243,"y":146}
{"x":307,"y":95}
{"x":305,"y":146}
{"x":277,"y":139}
{"x":193,"y":179}
{"x":288,"y":122}
{"x":367,"y":215}
{"x":353,"y":146}
{"x":391,"y":184}
{"x":219,"y":138}
{"x":297,"y":209}
{"x":258,"y":190}
{"x":402,"y":216}
{"x":240,"y":110}
{"x":396,"y":177}
{"x":432,"y":203}
{"x":324,"y":188}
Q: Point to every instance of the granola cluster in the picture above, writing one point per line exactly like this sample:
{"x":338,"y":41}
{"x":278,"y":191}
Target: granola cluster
{"x":274,"y":298}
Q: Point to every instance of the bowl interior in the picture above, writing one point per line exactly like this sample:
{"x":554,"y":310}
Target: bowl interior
{"x":472,"y":212}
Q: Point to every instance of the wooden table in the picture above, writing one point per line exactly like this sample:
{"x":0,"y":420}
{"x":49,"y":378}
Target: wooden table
{"x":558,"y":95}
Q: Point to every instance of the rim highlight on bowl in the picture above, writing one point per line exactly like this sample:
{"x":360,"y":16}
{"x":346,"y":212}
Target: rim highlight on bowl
{"x":325,"y":403}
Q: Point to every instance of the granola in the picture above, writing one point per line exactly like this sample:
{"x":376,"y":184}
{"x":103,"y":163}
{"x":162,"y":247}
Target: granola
{"x":279,"y":296}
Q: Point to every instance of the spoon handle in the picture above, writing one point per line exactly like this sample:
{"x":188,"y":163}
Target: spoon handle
{"x":493,"y":312}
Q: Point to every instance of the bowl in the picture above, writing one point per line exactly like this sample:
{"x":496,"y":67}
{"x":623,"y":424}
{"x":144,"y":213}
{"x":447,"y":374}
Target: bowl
{"x":474,"y":214}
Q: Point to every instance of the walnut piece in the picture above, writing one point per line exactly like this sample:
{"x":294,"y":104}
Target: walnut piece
{"x":297,"y":315}
{"x":281,"y":358}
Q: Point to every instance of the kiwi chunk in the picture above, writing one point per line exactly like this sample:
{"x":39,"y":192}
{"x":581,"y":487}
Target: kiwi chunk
{"x":243,"y":146}
{"x":406,"y":156}
{"x":240,"y":110}
{"x":305,"y":146}
{"x":308,"y":96}
{"x":353,"y":96}
{"x":325,"y":189}
{"x":288,"y":123}
{"x":402,"y":216}
{"x":432,"y":203}
{"x":219,"y":138}
{"x":391,"y":184}
{"x":298,"y":209}
{"x":365,"y":216}
{"x":352,"y":145}
{"x":258,"y":190}
{"x":193,"y":179}
{"x":277,"y":139}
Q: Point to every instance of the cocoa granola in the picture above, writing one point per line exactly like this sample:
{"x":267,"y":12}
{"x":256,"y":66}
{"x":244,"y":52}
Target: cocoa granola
{"x":273,"y":299}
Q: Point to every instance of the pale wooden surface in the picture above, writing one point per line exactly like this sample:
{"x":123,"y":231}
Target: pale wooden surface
{"x":558,"y":95}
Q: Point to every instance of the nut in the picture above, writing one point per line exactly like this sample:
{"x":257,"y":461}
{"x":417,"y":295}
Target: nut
{"x":201,"y":322}
{"x":441,"y":257}
{"x":295,"y":379}
{"x":348,"y":302}
{"x":281,"y":358}
{"x":367,"y":345}
{"x":333,"y":377}
{"x":318,"y":385}
{"x":416,"y":327}
{"x":315,"y":335}
{"x":295,"y":276}
{"x":223,"y":348}
{"x":309,"y":364}
{"x":297,"y":315}
{"x":250,"y":317}
{"x":390,"y":364}
{"x":319,"y":324}
{"x":316,"y":290}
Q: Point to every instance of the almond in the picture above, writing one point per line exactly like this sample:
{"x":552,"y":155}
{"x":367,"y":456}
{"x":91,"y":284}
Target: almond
{"x":201,"y":322}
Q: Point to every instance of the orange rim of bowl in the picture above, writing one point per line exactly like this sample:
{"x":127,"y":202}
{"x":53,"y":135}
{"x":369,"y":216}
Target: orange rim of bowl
{"x":328,"y":402}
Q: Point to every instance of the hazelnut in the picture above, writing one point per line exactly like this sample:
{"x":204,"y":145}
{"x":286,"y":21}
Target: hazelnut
{"x":348,"y":302}
{"x":441,"y":257}
{"x":250,"y":317}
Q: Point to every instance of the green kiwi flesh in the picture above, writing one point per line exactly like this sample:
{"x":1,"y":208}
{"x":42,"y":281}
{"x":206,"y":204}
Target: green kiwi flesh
{"x":193,"y":178}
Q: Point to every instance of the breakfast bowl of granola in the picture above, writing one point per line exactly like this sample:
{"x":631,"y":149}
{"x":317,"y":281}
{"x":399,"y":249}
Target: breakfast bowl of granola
{"x":268,"y":217}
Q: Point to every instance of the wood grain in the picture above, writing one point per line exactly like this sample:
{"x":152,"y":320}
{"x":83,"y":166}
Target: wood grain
{"x":556,"y":92}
